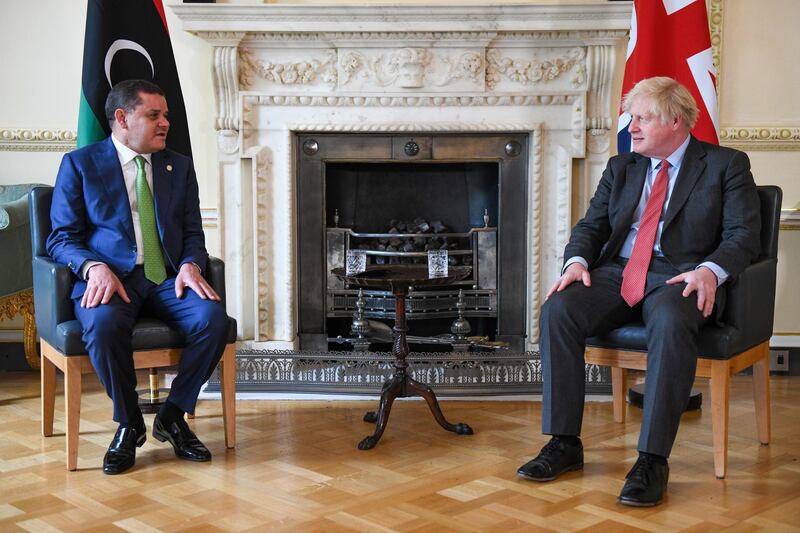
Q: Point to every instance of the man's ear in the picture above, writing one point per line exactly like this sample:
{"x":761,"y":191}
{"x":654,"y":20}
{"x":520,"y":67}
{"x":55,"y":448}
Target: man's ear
{"x":120,"y":118}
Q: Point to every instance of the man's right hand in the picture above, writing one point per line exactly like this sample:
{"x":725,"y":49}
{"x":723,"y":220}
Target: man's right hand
{"x":574,"y":272}
{"x":101,"y":286}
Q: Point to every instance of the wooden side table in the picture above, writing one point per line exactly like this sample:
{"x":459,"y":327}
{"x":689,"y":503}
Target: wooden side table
{"x":399,"y":279}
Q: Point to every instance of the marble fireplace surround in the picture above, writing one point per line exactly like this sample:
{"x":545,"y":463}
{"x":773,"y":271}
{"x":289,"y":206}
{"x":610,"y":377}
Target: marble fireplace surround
{"x":546,"y":70}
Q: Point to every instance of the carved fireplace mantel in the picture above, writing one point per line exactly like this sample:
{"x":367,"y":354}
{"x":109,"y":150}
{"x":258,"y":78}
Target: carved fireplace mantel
{"x":549,"y":71}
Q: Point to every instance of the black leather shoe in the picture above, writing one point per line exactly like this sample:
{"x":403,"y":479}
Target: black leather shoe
{"x":121,"y":454}
{"x":645,"y":483}
{"x":555,"y":458}
{"x":186,"y":444}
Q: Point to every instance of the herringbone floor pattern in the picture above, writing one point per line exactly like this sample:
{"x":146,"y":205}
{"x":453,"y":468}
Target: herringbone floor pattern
{"x":296,"y":468}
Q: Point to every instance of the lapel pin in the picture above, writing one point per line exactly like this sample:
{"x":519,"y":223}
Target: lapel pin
{"x":169,"y":168}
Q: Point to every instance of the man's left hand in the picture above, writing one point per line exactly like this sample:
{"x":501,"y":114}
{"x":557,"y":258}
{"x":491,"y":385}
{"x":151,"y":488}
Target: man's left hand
{"x":702,"y":280}
{"x":189,"y":276}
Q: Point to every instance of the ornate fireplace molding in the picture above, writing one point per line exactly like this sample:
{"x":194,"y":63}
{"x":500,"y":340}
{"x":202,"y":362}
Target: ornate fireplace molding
{"x":287,"y":69}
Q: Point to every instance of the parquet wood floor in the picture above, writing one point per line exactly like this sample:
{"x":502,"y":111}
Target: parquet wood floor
{"x":296,"y":468}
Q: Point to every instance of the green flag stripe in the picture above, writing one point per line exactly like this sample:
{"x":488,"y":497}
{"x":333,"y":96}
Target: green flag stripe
{"x":89,"y":127}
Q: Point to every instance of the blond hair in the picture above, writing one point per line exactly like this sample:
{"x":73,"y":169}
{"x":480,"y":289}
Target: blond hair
{"x":668,"y":98}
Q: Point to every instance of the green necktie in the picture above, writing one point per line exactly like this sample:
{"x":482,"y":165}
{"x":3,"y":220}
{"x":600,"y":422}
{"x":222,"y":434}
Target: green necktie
{"x":153,"y":260}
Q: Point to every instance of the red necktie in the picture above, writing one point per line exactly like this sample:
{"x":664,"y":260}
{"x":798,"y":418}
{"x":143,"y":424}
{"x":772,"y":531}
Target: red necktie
{"x":635,"y":274}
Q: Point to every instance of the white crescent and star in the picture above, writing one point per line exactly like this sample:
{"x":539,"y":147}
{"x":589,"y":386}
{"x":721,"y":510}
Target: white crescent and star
{"x":125,"y":44}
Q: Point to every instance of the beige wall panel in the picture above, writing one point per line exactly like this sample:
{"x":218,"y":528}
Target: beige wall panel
{"x":787,"y":309}
{"x":760,"y":67}
{"x":779,"y":168}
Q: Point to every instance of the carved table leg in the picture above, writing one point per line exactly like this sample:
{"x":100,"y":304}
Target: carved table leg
{"x":426,"y":392}
{"x":387,"y":399}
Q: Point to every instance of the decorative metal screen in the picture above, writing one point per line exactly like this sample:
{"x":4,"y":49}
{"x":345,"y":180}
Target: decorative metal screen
{"x":448,"y":373}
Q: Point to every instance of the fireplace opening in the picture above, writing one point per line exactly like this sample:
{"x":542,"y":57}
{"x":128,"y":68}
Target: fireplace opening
{"x":396,"y":212}
{"x":366,"y":197}
{"x":395,"y":198}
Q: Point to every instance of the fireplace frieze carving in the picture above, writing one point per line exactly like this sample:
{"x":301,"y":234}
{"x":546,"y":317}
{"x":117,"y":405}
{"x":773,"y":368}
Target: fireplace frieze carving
{"x":411,"y":68}
{"x":286,"y":73}
{"x":535,"y":71}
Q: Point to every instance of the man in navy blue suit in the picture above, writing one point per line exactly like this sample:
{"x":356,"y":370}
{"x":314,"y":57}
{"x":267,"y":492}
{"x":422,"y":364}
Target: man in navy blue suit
{"x":126,"y":220}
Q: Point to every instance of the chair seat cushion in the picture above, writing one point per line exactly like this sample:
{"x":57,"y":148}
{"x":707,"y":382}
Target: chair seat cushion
{"x":713,"y":342}
{"x":148,"y":334}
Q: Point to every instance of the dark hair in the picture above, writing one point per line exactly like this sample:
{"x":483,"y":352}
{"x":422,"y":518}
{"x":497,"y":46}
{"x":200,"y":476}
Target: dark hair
{"x":125,"y":95}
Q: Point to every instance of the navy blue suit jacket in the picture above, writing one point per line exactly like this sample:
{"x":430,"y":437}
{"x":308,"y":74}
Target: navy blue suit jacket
{"x":91,"y":214}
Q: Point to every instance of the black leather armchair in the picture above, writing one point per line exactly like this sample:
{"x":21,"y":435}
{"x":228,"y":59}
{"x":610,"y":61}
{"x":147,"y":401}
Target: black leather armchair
{"x":742,"y":341}
{"x":155,"y":344}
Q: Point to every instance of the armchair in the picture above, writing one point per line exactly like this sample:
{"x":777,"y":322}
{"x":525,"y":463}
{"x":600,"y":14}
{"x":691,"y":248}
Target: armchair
{"x":155,"y":345}
{"x":741,"y":342}
{"x":16,"y":283}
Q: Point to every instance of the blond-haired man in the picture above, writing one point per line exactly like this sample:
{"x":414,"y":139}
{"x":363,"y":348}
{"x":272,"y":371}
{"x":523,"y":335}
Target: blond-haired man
{"x":669,"y":224}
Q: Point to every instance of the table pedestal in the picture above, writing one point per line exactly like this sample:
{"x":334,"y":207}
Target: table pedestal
{"x":401,"y":385}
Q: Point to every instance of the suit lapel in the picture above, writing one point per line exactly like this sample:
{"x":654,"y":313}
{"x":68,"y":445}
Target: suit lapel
{"x":110,"y":173}
{"x":691,"y":170}
{"x":632,"y":192}
{"x":162,"y":188}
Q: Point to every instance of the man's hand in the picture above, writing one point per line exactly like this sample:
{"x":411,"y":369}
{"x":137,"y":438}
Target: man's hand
{"x":704,"y":281}
{"x":189,"y":276}
{"x":574,"y":272}
{"x":101,"y":286}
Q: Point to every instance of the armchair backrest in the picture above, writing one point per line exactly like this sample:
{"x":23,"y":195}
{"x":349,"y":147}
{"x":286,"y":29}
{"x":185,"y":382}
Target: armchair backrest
{"x":750,"y":306}
{"x":39,"y":200}
{"x":770,"y":197}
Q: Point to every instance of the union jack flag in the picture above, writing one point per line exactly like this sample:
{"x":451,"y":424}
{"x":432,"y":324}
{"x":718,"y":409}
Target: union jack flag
{"x":671,"y":38}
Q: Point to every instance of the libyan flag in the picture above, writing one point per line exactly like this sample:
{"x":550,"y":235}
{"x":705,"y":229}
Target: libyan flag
{"x":128,"y":39}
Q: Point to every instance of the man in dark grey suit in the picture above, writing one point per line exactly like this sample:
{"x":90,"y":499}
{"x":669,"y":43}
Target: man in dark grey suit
{"x":668,"y":225}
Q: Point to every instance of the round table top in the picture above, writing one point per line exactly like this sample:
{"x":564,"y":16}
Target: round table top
{"x":377,"y":276}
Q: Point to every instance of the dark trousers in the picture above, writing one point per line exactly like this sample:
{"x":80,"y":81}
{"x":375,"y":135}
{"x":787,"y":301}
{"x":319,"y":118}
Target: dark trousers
{"x":107,"y":332}
{"x":671,"y":320}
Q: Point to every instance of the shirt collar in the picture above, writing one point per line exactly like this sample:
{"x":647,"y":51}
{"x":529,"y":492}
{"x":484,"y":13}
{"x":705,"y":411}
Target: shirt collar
{"x":675,"y":158}
{"x":124,"y":153}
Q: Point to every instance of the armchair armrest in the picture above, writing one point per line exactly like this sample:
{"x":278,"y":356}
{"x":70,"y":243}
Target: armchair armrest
{"x":52,"y":288}
{"x":750,"y":306}
{"x":14,"y":214}
{"x":215,"y":275}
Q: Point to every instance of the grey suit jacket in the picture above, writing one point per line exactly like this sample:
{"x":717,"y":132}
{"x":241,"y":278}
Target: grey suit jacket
{"x":713,"y":213}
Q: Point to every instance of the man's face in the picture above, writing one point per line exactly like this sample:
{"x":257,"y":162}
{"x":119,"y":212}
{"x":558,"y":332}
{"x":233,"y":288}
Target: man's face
{"x":145,"y":128}
{"x":651,"y":137}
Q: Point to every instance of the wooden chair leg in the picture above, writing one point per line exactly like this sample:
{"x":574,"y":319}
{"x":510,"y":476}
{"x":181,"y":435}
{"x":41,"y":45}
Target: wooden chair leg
{"x":762,"y":396}
{"x":720,"y":401}
{"x":228,"y":385}
{"x":48,"y":385}
{"x":619,"y":384}
{"x":72,"y":400}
